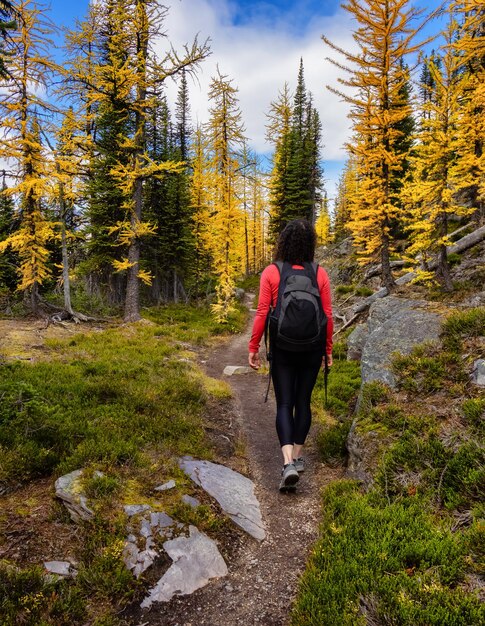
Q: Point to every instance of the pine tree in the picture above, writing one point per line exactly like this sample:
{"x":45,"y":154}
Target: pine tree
{"x":225,"y":133}
{"x":278,"y":133}
{"x":295,"y":130}
{"x":9,"y":223}
{"x":23,"y":108}
{"x":378,"y":77}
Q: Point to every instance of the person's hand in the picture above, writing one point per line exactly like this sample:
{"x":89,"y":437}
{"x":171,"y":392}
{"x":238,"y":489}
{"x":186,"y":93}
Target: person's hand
{"x":254,"y":360}
{"x":329,"y":361}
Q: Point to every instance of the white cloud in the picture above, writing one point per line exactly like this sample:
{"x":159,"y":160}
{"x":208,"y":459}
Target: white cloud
{"x":259,"y":57}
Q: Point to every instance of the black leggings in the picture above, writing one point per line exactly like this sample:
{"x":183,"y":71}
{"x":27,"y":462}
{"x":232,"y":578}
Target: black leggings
{"x":294,"y":376}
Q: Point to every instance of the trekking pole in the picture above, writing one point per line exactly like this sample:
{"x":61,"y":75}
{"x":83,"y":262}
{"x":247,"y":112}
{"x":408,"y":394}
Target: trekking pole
{"x":325,"y":379}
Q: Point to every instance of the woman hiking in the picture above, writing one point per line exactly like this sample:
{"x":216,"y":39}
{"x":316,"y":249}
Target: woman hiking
{"x":295,"y":293}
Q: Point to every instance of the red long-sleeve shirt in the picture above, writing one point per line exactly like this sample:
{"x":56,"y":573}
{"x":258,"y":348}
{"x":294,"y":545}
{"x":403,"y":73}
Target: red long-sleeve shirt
{"x":268,"y":295}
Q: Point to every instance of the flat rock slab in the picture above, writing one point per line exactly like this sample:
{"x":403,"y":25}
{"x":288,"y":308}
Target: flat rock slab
{"x":232,"y":370}
{"x":196,"y":559}
{"x":166,"y":486}
{"x":69,"y":490}
{"x":233,"y":491}
{"x":60,"y":568}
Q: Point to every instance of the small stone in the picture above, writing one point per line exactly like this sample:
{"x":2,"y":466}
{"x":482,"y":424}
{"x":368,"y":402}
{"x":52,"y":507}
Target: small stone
{"x":161,"y":520}
{"x":229,"y":588}
{"x":166,"y":486}
{"x":478,"y":373}
{"x":145,"y":528}
{"x":196,"y":560}
{"x":135,"y":509}
{"x":60,"y":568}
{"x":231,"y":370}
{"x":193,"y":502}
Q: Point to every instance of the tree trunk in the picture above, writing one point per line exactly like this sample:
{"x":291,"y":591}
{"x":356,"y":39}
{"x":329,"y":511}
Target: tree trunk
{"x":386,"y":273}
{"x":65,"y":269}
{"x":132,"y":302}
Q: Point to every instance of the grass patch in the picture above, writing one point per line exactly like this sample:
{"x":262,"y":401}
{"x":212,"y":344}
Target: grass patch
{"x":101,"y":398}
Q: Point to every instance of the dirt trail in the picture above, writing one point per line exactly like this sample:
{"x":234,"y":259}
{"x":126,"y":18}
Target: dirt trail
{"x":263,"y":577}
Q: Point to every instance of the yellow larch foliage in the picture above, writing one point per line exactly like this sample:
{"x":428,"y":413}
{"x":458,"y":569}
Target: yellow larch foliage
{"x":432,"y":192}
{"x":376,"y":77}
{"x":225,"y":132}
{"x":20,"y":144}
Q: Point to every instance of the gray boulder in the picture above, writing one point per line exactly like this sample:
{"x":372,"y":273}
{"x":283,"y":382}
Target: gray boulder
{"x":395,"y":325}
{"x":234,"y":492}
{"x":196,"y":559}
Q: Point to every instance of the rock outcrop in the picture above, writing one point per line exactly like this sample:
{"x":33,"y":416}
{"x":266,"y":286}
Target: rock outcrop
{"x":394,"y":325}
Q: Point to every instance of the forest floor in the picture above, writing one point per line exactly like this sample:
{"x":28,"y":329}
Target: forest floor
{"x":263,"y":577}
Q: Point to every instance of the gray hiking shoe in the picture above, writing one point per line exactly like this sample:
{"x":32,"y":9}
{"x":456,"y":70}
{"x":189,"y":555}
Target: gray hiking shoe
{"x":289,"y":478}
{"x":299,"y":464}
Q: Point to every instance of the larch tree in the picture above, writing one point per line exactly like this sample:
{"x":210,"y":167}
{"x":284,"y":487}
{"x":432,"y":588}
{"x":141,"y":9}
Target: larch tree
{"x":225,"y":134}
{"x":323,"y":224}
{"x":346,"y":189}
{"x":432,"y":192}
{"x":127,"y":80}
{"x":24,"y":119}
{"x":376,"y":76}
{"x":200,"y":204}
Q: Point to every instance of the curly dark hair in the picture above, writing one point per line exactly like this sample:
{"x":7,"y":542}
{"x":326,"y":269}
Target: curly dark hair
{"x":296,"y":243}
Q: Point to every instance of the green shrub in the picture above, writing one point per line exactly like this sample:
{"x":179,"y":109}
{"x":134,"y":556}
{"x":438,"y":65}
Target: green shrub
{"x":474,"y":412}
{"x":463,"y":324}
{"x":331,"y":442}
{"x":28,"y":597}
{"x":344,"y":289}
{"x":393,"y":561}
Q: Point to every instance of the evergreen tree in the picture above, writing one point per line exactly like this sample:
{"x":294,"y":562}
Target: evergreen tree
{"x":9,"y":223}
{"x":296,"y":180}
{"x":278,"y":133}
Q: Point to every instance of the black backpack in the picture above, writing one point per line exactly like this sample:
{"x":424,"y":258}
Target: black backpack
{"x":298,"y":322}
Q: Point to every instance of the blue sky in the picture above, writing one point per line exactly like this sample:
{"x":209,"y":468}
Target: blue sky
{"x":259,"y":45}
